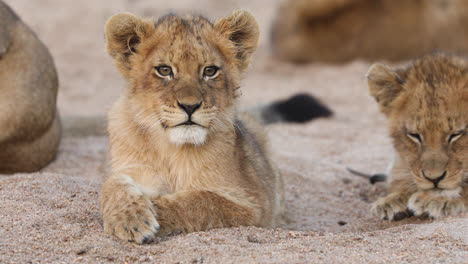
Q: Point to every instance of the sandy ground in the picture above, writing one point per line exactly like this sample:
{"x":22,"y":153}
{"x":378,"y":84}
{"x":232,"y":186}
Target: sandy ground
{"x":53,"y":216}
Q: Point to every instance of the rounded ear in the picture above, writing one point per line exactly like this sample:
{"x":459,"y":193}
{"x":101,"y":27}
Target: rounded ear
{"x":242,"y":29}
{"x":124,"y":32}
{"x":384,"y":85}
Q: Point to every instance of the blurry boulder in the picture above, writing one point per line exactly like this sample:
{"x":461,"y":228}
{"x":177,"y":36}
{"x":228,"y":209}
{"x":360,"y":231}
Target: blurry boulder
{"x":343,"y":30}
{"x":29,"y":122}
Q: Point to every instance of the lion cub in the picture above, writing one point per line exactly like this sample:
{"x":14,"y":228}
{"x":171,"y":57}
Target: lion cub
{"x":426,"y":105}
{"x":182,"y":157}
{"x":29,"y":123}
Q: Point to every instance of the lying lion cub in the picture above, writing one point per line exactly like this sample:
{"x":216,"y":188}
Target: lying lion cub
{"x":29,"y":123}
{"x":182,"y":158}
{"x":427,"y":108}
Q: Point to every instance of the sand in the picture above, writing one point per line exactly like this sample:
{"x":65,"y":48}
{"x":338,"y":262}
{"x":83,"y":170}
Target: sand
{"x":53,"y":216}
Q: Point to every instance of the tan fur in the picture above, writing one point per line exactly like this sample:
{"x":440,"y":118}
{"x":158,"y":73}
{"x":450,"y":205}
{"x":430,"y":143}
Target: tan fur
{"x":429,"y":100}
{"x":156,"y":186}
{"x":343,"y":30}
{"x":29,"y":123}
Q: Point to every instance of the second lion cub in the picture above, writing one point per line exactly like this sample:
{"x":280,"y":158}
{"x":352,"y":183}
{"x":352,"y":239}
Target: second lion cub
{"x":426,"y":105}
{"x":182,"y":157}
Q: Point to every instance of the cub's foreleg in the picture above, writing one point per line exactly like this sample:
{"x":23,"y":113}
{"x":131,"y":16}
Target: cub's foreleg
{"x":201,"y":210}
{"x":394,"y":206}
{"x":126,"y":212}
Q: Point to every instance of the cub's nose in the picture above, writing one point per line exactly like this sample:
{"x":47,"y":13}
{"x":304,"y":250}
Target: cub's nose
{"x":189,"y":109}
{"x":435,"y":180}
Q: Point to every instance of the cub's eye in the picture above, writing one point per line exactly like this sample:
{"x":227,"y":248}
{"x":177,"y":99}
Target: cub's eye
{"x":415,"y":137}
{"x":210,"y":71}
{"x":455,"y":136}
{"x":163,"y":71}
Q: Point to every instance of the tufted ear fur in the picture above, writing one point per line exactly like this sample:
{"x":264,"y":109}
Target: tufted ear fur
{"x":384,"y":85}
{"x":242,"y":29}
{"x":124,"y":32}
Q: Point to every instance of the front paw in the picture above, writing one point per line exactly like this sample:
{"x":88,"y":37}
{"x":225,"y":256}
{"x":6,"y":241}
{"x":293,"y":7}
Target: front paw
{"x":391,"y":207}
{"x":132,"y":221}
{"x":436,"y":204}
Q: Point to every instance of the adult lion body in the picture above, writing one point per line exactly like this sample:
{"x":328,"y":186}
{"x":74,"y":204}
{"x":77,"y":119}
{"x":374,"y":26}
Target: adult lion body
{"x":29,"y":123}
{"x":182,"y":157}
{"x":426,"y":105}
{"x":343,"y":30}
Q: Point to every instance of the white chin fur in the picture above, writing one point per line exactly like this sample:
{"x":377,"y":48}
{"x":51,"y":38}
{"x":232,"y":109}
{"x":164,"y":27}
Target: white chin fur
{"x":195,"y":135}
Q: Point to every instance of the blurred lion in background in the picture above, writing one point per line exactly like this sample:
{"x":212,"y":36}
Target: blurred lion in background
{"x":29,"y":124}
{"x":342,"y":30}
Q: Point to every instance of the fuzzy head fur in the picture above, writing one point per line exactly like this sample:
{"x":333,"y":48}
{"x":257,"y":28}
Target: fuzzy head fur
{"x":426,"y":105}
{"x":165,"y":64}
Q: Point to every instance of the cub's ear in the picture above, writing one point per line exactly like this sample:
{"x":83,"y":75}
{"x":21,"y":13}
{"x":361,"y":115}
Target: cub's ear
{"x":242,"y":29}
{"x":124,"y":32}
{"x":384,"y":85}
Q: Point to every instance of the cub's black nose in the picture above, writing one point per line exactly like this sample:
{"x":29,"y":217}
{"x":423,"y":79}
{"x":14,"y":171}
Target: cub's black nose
{"x":435,"y":181}
{"x":189,"y":109}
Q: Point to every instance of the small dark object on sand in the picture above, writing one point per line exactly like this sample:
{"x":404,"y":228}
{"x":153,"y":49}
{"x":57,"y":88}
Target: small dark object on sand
{"x":373,"y":178}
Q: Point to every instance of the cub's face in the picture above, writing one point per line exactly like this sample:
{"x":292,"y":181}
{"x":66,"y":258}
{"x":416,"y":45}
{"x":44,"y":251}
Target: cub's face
{"x":427,"y":109}
{"x":183,"y":73}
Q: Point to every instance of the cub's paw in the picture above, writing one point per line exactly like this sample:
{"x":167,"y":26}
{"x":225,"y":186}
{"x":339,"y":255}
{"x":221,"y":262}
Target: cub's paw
{"x":132,"y":221}
{"x":391,"y":207}
{"x":436,"y":204}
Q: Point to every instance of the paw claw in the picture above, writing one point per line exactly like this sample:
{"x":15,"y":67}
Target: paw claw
{"x":399,"y":216}
{"x":147,"y":240}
